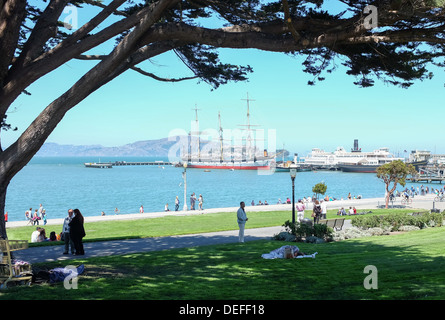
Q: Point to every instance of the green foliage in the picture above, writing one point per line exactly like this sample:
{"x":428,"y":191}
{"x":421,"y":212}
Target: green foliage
{"x":303,"y":231}
{"x":320,"y":188}
{"x":395,"y":221}
{"x":395,"y":171}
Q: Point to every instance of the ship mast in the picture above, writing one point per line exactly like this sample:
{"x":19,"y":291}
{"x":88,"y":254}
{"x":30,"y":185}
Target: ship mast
{"x":220,"y":137}
{"x":197,"y":132}
{"x":249,"y":130}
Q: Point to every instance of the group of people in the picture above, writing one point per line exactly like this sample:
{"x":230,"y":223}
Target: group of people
{"x":342,"y":211}
{"x":265,"y":203}
{"x":73,"y":232}
{"x":36,"y":216}
{"x":40,"y":235}
{"x":193,"y":201}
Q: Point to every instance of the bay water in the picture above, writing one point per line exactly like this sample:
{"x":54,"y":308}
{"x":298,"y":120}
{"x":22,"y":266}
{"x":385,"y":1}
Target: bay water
{"x":60,"y":183}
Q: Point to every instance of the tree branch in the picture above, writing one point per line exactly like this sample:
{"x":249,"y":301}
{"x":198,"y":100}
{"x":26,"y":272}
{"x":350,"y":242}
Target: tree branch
{"x":20,"y":152}
{"x":151,"y":75}
{"x":12,"y":13}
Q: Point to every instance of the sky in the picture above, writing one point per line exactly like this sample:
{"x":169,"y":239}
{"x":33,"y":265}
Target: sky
{"x":299,"y":117}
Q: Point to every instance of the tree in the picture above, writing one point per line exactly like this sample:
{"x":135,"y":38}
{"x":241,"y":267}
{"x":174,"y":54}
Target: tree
{"x":33,"y":43}
{"x":394,"y":172}
{"x":319,"y":188}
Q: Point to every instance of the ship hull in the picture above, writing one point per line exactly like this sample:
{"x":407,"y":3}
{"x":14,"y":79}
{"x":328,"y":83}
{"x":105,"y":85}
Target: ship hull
{"x":372,"y":168}
{"x":229,"y":166}
{"x":358,"y":168}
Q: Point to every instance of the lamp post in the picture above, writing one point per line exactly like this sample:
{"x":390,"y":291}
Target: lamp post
{"x":184,"y":175}
{"x":293,"y":173}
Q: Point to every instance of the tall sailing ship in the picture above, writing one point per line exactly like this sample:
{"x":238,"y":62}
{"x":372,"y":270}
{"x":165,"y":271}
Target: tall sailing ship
{"x":241,"y":155}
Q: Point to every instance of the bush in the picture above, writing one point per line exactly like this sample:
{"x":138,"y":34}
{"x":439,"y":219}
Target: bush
{"x":303,"y":231}
{"x":396,"y":221}
{"x":355,"y":232}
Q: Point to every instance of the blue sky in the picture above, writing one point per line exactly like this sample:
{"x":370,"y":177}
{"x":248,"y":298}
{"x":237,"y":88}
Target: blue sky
{"x":332,"y":113}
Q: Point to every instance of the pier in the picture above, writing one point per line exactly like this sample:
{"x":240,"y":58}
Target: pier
{"x":109,"y":165}
{"x":429,"y":174}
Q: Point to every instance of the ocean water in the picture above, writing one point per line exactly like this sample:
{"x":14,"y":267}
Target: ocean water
{"x":62,"y":183}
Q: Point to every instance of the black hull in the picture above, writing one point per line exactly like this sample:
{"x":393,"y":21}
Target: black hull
{"x":373,"y":169}
{"x":357,"y":168}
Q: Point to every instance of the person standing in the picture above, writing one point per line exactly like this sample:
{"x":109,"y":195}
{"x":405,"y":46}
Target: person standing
{"x":35,"y":218}
{"x":44,"y":218}
{"x":316,"y":211}
{"x":176,"y":203}
{"x":28,"y":216}
{"x":192,"y":201}
{"x":141,"y":209}
{"x":77,"y":232}
{"x":200,"y":200}
{"x":300,"y":210}
{"x":324,"y":209}
{"x":40,"y":210}
{"x":242,"y":219}
{"x":66,"y":233}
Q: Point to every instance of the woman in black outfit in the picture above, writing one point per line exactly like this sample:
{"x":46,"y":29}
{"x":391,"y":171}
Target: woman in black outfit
{"x":77,"y":232}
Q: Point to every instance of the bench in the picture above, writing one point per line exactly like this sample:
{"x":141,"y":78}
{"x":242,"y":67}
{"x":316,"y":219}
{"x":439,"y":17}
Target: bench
{"x":10,"y":271}
{"x":336,"y":224}
{"x":415,"y":214}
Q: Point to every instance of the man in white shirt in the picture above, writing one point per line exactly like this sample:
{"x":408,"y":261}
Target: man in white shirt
{"x":35,"y":234}
{"x":242,"y":218}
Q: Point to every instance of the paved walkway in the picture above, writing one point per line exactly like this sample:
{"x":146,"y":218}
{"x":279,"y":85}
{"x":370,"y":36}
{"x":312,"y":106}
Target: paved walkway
{"x":118,"y":247}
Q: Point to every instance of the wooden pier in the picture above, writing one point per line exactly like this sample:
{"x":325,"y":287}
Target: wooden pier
{"x":426,"y":179}
{"x":98,"y":165}
{"x":429,"y":174}
{"x":108,"y":165}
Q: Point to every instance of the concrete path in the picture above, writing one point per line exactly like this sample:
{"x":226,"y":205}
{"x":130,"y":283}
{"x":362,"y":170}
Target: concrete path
{"x":119,"y":247}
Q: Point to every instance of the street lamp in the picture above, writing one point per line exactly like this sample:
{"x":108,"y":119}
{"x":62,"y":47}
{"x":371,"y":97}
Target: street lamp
{"x":293,"y":173}
{"x":184,"y":175}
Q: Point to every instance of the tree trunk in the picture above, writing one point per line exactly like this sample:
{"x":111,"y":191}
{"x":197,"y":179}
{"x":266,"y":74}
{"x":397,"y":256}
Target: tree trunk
{"x":3,"y":188}
{"x":16,"y":156}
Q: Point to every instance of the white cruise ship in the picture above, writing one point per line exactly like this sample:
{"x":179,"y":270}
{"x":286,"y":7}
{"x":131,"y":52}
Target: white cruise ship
{"x":321,"y":158}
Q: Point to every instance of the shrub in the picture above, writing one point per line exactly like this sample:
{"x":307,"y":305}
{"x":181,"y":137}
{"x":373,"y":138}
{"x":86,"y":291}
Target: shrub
{"x":396,"y":221}
{"x":284,"y":236}
{"x":303,"y":231}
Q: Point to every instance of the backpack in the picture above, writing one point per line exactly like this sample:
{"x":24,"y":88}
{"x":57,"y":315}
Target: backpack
{"x":317,"y":210}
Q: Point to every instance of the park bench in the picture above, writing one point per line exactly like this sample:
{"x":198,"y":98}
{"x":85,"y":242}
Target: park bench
{"x":336,"y":224}
{"x":9,"y":271}
{"x":414,"y":214}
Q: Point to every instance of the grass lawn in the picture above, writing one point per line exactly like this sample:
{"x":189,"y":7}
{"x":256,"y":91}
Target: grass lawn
{"x":176,"y":225}
{"x":410,"y":266}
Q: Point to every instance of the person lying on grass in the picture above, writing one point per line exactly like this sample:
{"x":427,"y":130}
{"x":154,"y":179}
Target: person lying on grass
{"x":287,"y":251}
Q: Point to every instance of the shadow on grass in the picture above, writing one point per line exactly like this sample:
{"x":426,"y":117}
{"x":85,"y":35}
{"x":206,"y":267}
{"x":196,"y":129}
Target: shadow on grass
{"x":410,"y":266}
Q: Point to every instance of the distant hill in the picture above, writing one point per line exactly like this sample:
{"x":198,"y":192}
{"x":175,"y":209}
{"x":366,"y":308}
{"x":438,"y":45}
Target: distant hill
{"x":149,"y":148}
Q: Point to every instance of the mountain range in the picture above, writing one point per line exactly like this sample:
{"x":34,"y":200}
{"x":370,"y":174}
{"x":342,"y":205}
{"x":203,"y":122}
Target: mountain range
{"x":148,"y":148}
